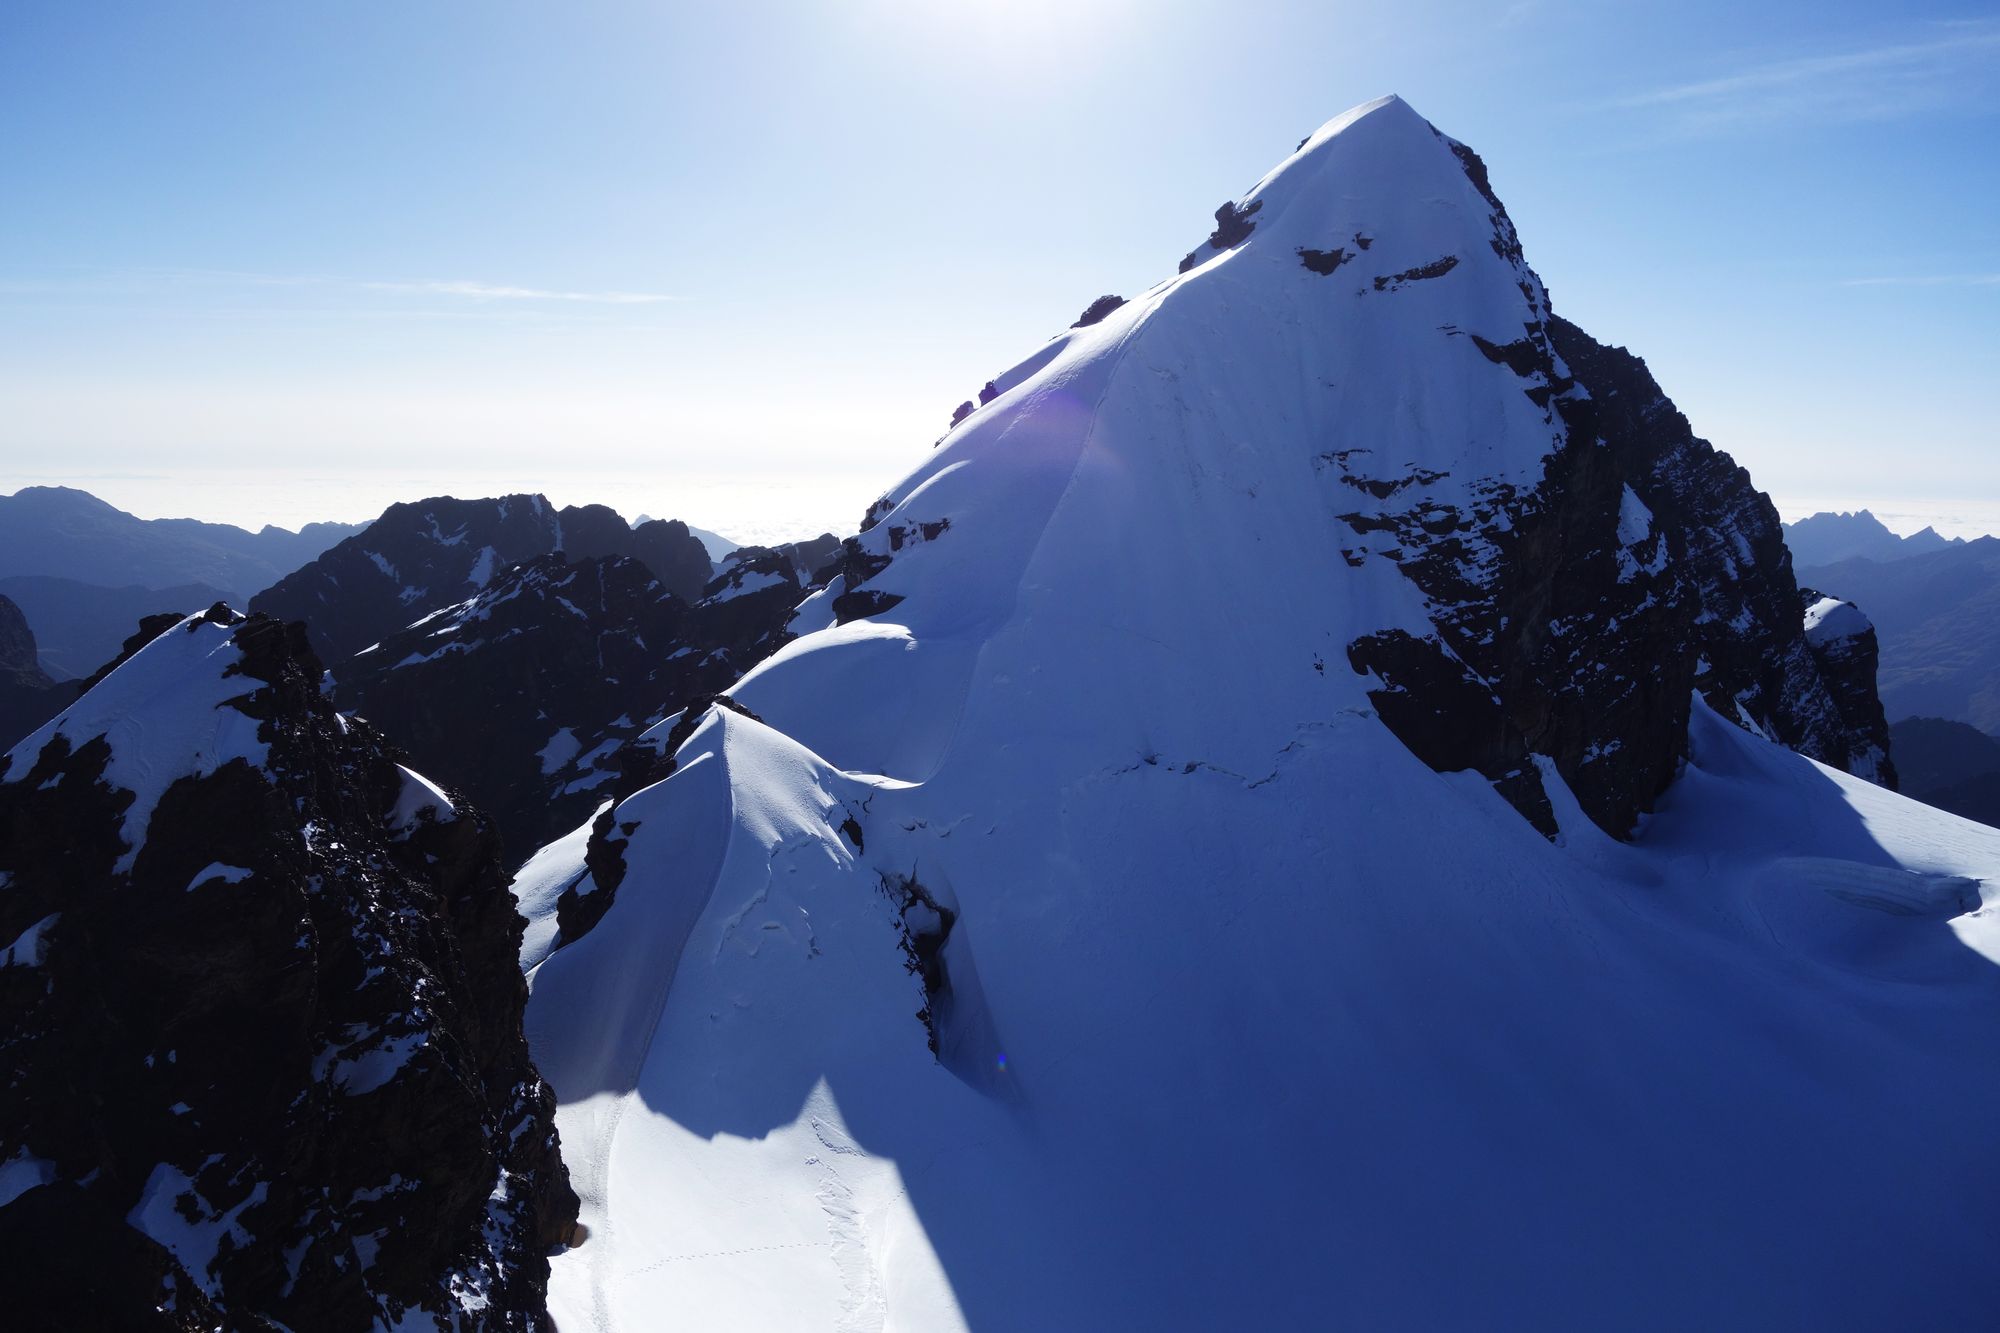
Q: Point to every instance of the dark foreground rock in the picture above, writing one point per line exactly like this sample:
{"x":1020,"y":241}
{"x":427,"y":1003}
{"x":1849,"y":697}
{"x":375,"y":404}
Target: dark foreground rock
{"x":262,"y":1016}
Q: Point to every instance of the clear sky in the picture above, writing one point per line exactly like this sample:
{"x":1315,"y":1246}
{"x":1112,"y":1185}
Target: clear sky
{"x":737,"y":262}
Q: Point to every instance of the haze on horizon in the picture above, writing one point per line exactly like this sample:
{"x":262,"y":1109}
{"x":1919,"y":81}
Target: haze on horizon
{"x":737,"y":266}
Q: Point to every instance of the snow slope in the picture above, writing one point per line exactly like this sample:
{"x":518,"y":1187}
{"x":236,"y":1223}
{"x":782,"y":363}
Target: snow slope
{"x":1243,"y":1017}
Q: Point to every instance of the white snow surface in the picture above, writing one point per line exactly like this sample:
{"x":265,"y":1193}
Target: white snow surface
{"x":31,"y":945}
{"x":164,"y":712}
{"x":1830,"y":618}
{"x":1253,"y":1020}
{"x":417,"y":795}
{"x":217,"y":870}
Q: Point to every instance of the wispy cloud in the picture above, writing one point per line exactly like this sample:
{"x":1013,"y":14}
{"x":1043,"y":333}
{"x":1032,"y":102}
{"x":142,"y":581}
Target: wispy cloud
{"x":1930,"y":280}
{"x":181,"y":281}
{"x":487,"y":291}
{"x":1944,"y":65}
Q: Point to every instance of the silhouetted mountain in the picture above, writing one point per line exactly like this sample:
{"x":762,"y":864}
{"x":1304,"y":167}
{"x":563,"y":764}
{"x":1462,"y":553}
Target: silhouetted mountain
{"x":1829,"y":538}
{"x":65,"y":533}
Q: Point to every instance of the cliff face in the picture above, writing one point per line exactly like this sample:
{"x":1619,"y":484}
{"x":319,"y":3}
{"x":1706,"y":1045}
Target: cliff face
{"x":263,"y":1043}
{"x":27,"y":696}
{"x":1842,"y":640}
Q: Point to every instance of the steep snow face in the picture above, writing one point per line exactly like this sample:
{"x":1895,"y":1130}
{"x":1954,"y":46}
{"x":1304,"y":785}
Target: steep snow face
{"x":1055,"y":935}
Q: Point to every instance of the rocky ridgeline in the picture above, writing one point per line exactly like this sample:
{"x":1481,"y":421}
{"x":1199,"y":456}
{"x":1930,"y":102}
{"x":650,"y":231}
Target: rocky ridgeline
{"x":432,"y":553}
{"x":523,"y":694}
{"x":263,"y":1043}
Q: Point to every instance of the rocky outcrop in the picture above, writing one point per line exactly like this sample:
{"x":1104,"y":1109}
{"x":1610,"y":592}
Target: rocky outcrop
{"x":421,"y":556}
{"x":1842,"y":641}
{"x":262,"y":1015}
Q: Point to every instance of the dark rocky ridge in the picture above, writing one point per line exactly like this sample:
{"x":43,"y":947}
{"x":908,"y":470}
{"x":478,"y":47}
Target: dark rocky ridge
{"x":523,"y":694}
{"x":265,"y":1068}
{"x":428,"y":554}
{"x":1844,"y":648}
{"x":1575,"y":621}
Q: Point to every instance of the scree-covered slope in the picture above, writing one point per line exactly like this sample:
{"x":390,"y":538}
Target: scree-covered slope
{"x":1277,"y":825}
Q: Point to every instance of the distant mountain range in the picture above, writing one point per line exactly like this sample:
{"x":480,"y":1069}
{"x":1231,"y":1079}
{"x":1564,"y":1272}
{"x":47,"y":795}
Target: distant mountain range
{"x":1828,"y":538}
{"x":83,"y":571}
{"x":65,"y":533}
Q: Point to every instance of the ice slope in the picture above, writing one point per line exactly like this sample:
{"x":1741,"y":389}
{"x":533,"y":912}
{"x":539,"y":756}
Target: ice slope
{"x":1249,"y":1019}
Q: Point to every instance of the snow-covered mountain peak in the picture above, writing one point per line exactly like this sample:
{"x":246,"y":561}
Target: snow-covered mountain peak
{"x":1175,"y":844}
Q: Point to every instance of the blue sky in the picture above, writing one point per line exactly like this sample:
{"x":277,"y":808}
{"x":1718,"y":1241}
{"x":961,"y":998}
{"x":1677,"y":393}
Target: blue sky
{"x":738,"y":262}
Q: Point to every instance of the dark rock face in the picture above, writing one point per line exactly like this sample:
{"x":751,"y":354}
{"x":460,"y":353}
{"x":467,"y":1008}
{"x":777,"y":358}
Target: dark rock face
{"x":1577,"y":619}
{"x":28,"y":697}
{"x":18,"y":659}
{"x":262,"y":1016}
{"x":421,"y":556}
{"x":58,"y":532}
{"x":524,"y":694}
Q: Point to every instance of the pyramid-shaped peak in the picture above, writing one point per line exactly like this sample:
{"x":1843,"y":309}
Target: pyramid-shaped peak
{"x":1379,"y":169}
